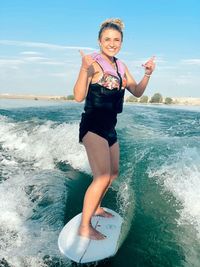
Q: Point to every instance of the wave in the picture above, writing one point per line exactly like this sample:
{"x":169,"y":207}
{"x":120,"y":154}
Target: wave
{"x":33,"y":193}
{"x":180,"y":176}
{"x":42,"y":144}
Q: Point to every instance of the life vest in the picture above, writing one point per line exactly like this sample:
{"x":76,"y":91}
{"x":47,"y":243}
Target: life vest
{"x":100,"y":97}
{"x":107,"y":68}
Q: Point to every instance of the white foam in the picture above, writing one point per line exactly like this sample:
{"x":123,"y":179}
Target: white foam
{"x":14,"y":207}
{"x":30,"y":151}
{"x":181,"y":176}
{"x":16,"y":261}
{"x":43,"y":144}
{"x":23,"y":218}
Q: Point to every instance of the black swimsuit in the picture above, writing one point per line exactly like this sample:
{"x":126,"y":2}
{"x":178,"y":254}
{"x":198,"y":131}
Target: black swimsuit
{"x":101,"y":108}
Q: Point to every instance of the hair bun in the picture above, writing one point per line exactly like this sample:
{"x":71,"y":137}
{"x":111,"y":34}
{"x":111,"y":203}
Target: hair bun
{"x":116,"y":21}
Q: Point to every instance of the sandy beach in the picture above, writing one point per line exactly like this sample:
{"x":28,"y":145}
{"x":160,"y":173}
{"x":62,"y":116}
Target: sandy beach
{"x":186,"y":101}
{"x":176,"y":100}
{"x":32,"y":97}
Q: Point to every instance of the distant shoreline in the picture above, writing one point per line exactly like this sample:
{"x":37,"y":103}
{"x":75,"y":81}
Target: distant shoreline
{"x":194,"y":101}
{"x":33,"y":97}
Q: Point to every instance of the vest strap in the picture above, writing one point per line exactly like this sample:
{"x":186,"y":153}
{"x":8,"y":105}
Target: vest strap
{"x":107,"y":68}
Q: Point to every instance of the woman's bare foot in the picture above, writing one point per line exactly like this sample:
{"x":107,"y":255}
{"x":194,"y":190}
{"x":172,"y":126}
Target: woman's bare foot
{"x":90,"y":232}
{"x":101,"y":212}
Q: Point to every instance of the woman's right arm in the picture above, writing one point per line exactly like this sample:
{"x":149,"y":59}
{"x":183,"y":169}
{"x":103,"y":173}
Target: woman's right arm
{"x":84,"y":77}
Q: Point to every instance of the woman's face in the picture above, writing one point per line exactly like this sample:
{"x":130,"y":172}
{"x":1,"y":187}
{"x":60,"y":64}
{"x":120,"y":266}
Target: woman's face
{"x":110,"y":42}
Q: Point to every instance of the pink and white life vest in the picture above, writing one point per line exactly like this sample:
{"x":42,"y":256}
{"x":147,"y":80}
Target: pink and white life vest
{"x":107,"y":68}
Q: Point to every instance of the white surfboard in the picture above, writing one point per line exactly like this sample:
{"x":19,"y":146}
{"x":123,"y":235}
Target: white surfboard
{"x":82,"y":249}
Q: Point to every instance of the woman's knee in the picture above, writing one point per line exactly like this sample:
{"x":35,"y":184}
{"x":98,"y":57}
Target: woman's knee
{"x":114,"y":175}
{"x":103,"y":179}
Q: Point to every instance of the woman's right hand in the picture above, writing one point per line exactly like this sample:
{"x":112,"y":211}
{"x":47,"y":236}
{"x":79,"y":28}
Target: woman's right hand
{"x":87,"y":61}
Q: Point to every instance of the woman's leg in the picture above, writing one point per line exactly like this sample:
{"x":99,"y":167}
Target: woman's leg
{"x":114,"y":160}
{"x":99,"y":158}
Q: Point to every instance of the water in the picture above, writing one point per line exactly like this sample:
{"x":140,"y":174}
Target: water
{"x":44,"y":173}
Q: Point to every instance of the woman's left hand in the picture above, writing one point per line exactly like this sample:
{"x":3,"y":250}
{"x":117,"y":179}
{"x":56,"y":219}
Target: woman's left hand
{"x":149,"y":66}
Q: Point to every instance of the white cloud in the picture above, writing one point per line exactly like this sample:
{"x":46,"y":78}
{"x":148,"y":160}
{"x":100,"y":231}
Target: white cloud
{"x":192,"y":61}
{"x":10,"y":62}
{"x":55,"y":63}
{"x":31,"y":53}
{"x":139,"y":62}
{"x":61,"y":74}
{"x":182,"y":80}
{"x":169,"y":67}
{"x":43,"y":45}
{"x":34,"y":59}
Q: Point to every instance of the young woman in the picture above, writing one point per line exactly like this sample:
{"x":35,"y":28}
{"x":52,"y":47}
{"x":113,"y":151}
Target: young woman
{"x":101,"y":82}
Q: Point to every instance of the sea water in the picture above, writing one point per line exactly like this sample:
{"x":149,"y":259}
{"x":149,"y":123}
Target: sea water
{"x":44,"y":173}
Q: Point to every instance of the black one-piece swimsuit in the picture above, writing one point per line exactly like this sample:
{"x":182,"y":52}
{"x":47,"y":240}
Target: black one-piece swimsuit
{"x":101,"y":108}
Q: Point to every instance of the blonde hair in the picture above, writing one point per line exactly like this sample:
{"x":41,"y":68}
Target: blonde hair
{"x":112,"y":23}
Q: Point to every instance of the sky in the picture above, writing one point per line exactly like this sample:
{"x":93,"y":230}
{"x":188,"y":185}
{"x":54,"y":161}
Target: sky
{"x":40,"y":42}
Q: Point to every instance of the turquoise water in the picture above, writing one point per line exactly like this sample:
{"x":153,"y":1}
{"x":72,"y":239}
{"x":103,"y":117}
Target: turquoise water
{"x":44,"y":173}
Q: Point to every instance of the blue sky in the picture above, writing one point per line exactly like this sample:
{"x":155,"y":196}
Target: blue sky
{"x":39,"y":43}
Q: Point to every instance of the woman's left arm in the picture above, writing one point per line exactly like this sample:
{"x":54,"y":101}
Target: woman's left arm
{"x":138,"y":89}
